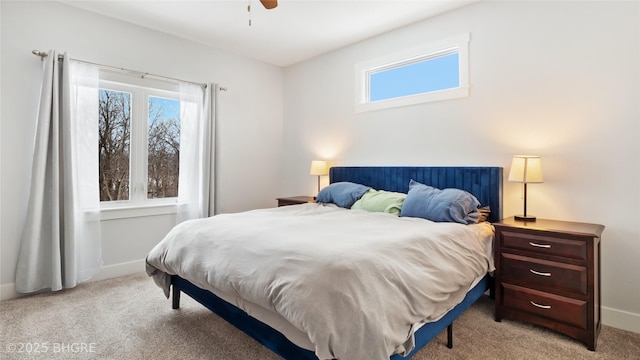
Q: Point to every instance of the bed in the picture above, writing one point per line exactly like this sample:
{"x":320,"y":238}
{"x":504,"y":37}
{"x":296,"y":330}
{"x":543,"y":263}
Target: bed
{"x":287,"y":330}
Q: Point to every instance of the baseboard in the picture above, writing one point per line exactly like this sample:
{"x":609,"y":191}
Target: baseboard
{"x":621,"y":319}
{"x":8,"y":291}
{"x":117,"y":270}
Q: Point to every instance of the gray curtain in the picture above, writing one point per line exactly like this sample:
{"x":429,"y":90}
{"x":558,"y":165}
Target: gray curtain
{"x":61,"y":239}
{"x":197,"y":134}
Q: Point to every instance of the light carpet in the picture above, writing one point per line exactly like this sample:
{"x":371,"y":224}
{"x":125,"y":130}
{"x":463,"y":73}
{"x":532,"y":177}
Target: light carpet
{"x":129,"y":318}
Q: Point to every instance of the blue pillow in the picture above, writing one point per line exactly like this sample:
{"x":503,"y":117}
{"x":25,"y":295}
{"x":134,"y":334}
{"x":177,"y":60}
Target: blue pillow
{"x":343,"y":194}
{"x":447,"y":205}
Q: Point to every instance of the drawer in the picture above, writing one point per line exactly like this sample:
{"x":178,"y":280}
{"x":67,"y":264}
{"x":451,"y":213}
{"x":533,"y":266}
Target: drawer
{"x":549,"y":274}
{"x":554,"y":307}
{"x":574,"y":249}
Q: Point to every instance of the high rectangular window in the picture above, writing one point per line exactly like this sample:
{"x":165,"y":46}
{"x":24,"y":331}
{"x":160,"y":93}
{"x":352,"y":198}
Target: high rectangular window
{"x":416,"y":77}
{"x":432,"y":72}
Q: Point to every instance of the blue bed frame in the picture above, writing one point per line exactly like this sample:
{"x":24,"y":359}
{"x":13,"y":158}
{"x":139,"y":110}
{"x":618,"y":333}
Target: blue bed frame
{"x":484,"y":182}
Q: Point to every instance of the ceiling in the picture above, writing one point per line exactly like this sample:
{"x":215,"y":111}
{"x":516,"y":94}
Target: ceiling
{"x":294,"y":31}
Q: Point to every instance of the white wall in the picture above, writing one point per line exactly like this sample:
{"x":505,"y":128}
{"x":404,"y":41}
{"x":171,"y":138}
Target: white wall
{"x":558,"y":79}
{"x":249,"y":128}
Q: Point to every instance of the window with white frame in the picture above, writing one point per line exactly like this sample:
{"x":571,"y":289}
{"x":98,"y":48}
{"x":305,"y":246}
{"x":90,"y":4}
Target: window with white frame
{"x":431,"y":72}
{"x":138,"y":144}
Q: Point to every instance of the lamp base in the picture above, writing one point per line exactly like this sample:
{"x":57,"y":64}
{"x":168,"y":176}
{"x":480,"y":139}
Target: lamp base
{"x":525,"y":218}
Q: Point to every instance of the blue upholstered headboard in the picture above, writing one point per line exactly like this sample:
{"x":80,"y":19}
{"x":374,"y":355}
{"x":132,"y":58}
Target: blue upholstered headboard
{"x":485,"y":183}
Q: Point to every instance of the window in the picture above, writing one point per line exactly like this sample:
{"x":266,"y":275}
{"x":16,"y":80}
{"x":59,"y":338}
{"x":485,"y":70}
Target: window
{"x":138,"y":145}
{"x":163,"y":143}
{"x":433,"y":72}
{"x":114,"y":138}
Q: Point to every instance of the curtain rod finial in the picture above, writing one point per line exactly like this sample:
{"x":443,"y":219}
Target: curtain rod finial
{"x":42,"y":54}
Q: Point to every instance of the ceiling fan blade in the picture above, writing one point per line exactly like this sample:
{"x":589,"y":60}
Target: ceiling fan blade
{"x":269,"y":4}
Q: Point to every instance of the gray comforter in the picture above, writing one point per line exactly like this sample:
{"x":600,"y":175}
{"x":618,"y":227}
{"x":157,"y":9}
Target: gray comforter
{"x":355,"y":282}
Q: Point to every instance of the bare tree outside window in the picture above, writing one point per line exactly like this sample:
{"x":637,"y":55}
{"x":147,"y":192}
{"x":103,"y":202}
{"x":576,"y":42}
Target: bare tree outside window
{"x":163,"y":148}
{"x":114,"y":138}
{"x":119,"y":113}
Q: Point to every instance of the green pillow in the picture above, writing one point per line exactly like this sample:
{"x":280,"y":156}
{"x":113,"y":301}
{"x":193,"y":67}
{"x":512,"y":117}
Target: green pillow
{"x":381,"y":201}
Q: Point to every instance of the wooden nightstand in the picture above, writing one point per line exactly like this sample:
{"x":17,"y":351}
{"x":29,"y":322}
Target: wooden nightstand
{"x":294,"y":200}
{"x":548,"y":274}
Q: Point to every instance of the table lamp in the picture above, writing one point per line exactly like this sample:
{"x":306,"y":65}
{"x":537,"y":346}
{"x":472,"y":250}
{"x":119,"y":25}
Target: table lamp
{"x":319,"y":168}
{"x":525,"y":169}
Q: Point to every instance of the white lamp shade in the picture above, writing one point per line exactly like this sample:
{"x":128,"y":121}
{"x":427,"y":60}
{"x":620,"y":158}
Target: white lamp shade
{"x":318,"y":167}
{"x":526,"y":169}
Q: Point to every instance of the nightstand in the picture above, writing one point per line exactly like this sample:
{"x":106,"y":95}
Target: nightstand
{"x":548,"y":274}
{"x":294,"y":200}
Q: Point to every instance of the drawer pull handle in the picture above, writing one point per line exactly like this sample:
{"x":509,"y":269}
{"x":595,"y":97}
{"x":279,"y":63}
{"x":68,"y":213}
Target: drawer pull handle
{"x":540,"y":306}
{"x":539,"y":273}
{"x":545,"y":246}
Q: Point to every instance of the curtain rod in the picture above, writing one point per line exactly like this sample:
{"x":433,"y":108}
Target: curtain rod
{"x":43,"y":55}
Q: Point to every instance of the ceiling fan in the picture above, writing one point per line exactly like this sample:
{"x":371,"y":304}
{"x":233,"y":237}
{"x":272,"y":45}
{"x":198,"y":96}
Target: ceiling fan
{"x":269,"y":4}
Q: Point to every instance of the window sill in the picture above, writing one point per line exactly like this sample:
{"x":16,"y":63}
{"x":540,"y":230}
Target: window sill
{"x":122,"y":212}
{"x":440,"y":95}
